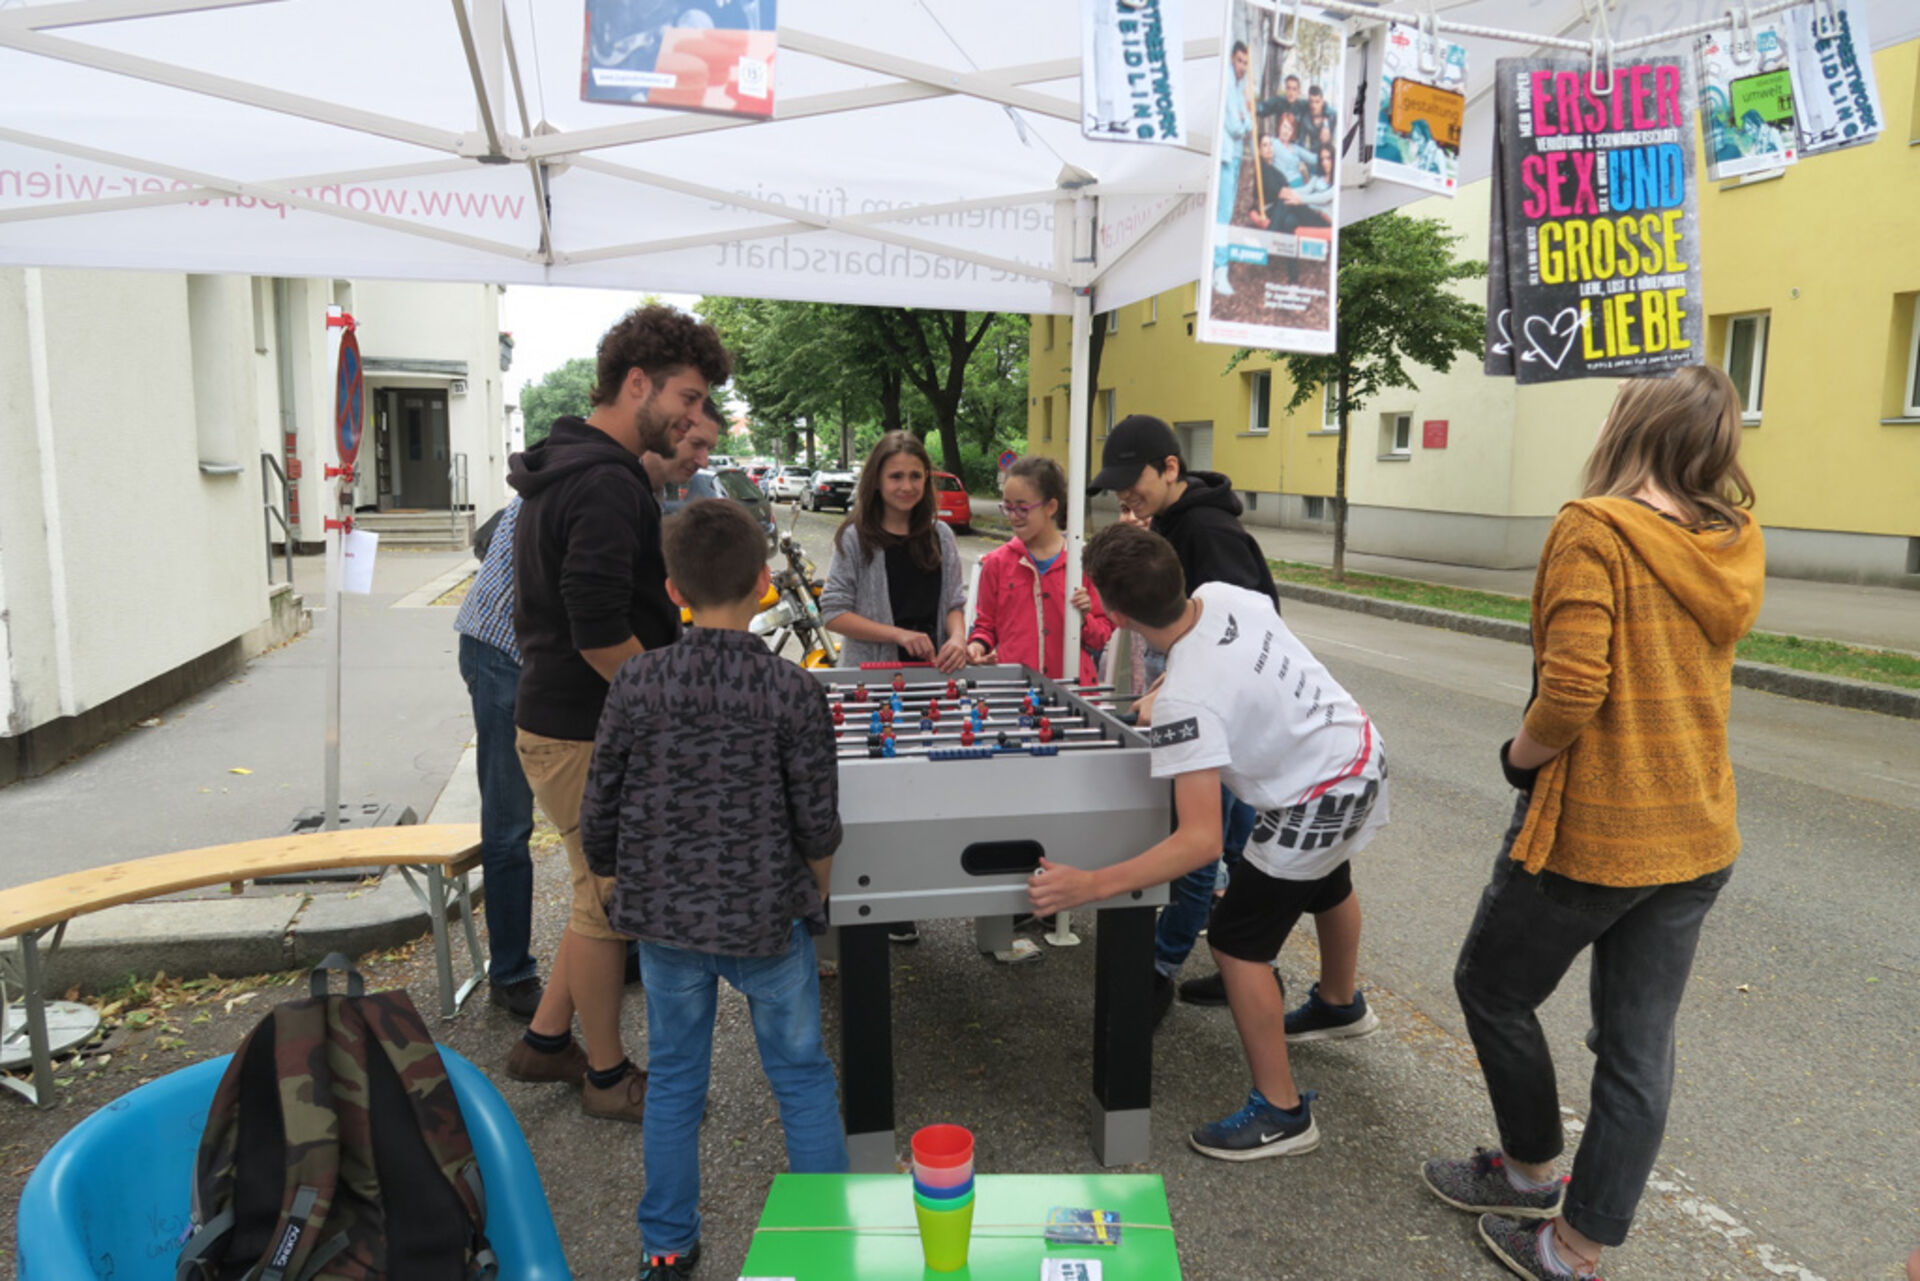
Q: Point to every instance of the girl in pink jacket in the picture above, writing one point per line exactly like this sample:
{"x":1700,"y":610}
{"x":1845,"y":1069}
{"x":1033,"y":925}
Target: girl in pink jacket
{"x":1023,"y":585}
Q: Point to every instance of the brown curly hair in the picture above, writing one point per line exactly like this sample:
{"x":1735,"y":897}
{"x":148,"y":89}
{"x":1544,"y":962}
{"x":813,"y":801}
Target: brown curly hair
{"x":659,"y":341}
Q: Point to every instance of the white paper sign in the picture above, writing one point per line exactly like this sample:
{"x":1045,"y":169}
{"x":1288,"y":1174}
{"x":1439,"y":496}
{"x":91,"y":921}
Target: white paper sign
{"x":356,"y":561}
{"x":1133,"y":71}
{"x":1070,"y":1270}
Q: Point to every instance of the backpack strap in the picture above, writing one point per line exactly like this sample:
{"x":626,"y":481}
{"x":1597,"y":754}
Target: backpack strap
{"x":312,"y":1128}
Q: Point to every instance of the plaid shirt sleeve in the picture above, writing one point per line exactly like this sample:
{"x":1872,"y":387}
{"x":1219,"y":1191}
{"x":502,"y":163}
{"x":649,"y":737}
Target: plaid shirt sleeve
{"x":487,"y":612}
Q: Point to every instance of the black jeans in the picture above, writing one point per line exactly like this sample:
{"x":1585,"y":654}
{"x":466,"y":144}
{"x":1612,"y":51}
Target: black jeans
{"x":1527,"y":931}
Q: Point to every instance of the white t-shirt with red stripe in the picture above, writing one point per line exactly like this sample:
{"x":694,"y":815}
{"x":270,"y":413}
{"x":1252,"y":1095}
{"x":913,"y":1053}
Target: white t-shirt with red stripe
{"x":1244,"y":696}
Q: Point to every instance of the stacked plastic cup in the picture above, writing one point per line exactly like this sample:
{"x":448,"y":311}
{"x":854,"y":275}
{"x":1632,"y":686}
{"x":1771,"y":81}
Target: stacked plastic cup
{"x":943,"y":1194}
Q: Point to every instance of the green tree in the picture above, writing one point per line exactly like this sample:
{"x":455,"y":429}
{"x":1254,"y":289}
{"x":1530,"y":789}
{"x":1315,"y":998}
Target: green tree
{"x":566,"y":390}
{"x":1398,"y":305}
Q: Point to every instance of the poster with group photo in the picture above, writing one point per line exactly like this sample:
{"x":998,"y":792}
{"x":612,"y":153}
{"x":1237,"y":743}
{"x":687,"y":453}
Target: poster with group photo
{"x":1133,"y":77}
{"x":697,"y":55}
{"x":1272,"y":261}
{"x":1595,"y":249}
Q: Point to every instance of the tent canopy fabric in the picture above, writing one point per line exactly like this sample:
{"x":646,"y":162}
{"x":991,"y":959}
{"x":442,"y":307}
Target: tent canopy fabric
{"x":916,"y":156}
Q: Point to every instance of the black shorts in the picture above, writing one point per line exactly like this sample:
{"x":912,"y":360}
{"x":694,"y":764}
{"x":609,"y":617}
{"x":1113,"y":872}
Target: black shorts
{"x":1259,"y":910}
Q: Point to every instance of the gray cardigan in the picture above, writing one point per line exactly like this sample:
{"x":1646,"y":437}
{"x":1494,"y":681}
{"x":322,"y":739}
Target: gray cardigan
{"x":858,"y":585}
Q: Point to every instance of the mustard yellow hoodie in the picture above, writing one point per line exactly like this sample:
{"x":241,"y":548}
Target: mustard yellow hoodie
{"x":1634,"y":623}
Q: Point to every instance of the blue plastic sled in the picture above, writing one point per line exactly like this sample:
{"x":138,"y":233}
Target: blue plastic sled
{"x":110,"y":1200}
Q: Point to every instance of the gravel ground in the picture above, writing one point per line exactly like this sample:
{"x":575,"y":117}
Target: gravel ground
{"x":1005,"y":1051}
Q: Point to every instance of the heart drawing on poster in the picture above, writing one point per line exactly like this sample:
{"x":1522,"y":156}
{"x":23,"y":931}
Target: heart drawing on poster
{"x":1563,"y":327}
{"x":1505,"y":344}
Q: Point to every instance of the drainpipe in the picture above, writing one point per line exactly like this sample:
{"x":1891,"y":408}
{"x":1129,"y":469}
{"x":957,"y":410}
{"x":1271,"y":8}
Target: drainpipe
{"x":289,"y":418}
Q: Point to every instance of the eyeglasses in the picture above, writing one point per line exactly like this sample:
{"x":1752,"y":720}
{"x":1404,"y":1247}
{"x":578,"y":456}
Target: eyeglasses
{"x":1016,"y":511}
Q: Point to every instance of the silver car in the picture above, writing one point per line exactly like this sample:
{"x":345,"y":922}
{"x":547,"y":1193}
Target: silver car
{"x":725,"y":482}
{"x":789,"y":483}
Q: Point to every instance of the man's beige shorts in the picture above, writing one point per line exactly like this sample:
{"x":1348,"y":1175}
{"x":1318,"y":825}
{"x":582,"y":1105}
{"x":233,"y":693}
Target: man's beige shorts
{"x":556,"y":769}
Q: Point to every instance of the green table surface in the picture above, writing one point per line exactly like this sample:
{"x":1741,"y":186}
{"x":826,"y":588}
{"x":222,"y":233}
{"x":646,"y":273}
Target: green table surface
{"x":871,"y":1234}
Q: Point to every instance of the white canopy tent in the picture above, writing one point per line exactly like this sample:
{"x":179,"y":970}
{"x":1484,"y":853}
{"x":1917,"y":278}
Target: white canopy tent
{"x":923,"y":152}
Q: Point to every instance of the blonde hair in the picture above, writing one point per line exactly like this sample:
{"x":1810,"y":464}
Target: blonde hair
{"x":1680,"y":431}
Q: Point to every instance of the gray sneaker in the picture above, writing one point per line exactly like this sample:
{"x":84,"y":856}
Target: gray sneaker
{"x":1478,"y":1184}
{"x":1517,"y":1245}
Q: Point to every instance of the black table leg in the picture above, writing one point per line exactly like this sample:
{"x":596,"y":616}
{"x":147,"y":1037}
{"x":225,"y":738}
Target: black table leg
{"x":1123,"y":1035}
{"x":866,"y":1047}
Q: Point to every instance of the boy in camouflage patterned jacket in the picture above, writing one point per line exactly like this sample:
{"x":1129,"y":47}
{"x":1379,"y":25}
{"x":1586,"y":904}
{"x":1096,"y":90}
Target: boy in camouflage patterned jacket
{"x":718,"y":880}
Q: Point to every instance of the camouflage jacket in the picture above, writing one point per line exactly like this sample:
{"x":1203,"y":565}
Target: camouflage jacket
{"x":715,"y":781}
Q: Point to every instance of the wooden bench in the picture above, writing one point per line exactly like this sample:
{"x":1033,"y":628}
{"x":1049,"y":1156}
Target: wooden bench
{"x":434,"y":858}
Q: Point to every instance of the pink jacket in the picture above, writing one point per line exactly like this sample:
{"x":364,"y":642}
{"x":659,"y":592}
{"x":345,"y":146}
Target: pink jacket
{"x":1016,"y":607}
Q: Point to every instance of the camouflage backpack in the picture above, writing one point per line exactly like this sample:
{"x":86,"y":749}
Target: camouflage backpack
{"x":334,"y":1150}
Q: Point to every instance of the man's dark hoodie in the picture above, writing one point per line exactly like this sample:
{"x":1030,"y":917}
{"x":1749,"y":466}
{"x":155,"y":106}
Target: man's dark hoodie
{"x":1204,"y":527}
{"x":587,"y":573}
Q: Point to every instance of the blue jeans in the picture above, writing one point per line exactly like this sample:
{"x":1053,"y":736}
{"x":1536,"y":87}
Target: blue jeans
{"x":1190,"y":899}
{"x":506,"y":810}
{"x":783,"y":996}
{"x":1229,"y":193}
{"x":1525,"y":935}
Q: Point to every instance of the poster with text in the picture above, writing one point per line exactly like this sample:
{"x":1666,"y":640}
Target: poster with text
{"x":1133,"y":71}
{"x":1423,"y":82}
{"x":1271,"y":262}
{"x":1835,"y":96}
{"x":1746,"y":100}
{"x":1596,"y":253}
{"x":697,"y":55}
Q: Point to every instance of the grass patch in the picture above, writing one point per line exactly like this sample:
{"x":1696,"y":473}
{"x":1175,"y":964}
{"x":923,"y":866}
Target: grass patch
{"x":1823,"y":657}
{"x":456,"y":593}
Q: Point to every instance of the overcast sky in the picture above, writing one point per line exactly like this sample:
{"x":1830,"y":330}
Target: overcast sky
{"x":551,"y":325}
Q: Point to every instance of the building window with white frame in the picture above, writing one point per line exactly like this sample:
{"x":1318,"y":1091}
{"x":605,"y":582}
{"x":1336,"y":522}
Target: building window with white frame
{"x":1396,"y":435}
{"x":1113,"y":321}
{"x":1046,"y":418}
{"x":1153,"y":311}
{"x":1106,"y":414}
{"x":1259,"y":402}
{"x":1746,"y":362}
{"x":1912,"y":407}
{"x":1329,"y":420}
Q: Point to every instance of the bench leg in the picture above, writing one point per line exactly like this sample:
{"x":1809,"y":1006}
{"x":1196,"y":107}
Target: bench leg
{"x":434,"y":895}
{"x":473,"y":942}
{"x":40,"y":1093}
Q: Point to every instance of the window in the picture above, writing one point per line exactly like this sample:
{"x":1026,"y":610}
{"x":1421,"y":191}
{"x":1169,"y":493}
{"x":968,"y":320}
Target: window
{"x":1153,"y":311}
{"x":1329,"y":420}
{"x":1316,"y":507}
{"x":1396,"y":435}
{"x":1747,"y":362}
{"x":1912,"y":406}
{"x":1106,"y":413}
{"x":1047,"y":328}
{"x":1046,"y":418}
{"x":1113,"y":321}
{"x":1259,"y":400}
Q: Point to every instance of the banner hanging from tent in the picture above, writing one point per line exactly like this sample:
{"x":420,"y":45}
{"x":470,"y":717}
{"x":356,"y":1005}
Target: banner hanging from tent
{"x":1746,"y":99}
{"x":1836,"y":98}
{"x":1423,"y":102}
{"x":1271,"y":261}
{"x":699,"y":55}
{"x":1133,"y":71}
{"x":1594,"y":257}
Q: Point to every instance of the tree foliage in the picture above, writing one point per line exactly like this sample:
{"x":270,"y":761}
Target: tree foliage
{"x":566,"y":390}
{"x":1398,"y":307}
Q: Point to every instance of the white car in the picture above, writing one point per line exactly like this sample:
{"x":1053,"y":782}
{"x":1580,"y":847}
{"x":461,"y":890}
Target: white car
{"x":789,"y":483}
{"x":719,"y":461}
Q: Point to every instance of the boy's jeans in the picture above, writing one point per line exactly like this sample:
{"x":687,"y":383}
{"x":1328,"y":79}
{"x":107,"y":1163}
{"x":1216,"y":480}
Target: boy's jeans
{"x":1190,"y":898}
{"x":1525,"y":935}
{"x":783,"y":994}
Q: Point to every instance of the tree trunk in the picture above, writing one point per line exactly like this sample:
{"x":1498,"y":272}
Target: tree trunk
{"x":889,"y":398}
{"x":1340,"y":488}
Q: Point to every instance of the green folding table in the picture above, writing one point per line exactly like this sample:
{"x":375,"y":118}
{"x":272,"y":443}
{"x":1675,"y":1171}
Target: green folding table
{"x":860,"y":1227}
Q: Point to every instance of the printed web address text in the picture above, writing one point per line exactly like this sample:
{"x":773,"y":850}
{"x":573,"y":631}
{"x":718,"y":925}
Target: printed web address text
{"x":62,"y":185}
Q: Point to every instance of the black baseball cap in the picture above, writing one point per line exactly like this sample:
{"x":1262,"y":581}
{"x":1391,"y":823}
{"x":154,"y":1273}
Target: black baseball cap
{"x":1136,"y":442}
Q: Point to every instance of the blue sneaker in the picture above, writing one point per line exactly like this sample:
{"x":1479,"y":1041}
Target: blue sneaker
{"x":1316,"y":1020}
{"x":1259,"y":1130}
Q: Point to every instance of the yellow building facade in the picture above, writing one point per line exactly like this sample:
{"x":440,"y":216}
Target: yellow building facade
{"x":1810,"y":281}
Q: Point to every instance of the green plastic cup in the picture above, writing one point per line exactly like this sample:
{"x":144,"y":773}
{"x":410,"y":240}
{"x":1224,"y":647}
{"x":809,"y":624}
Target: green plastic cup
{"x":943,"y":1203}
{"x":945,"y":1234}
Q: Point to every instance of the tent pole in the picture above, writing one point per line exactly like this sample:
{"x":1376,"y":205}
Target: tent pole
{"x":1080,"y":273}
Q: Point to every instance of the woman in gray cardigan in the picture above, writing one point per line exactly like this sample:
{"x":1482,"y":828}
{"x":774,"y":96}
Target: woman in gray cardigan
{"x":895,"y":589}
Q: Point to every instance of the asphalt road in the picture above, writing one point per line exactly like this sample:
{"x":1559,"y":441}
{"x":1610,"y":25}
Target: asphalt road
{"x":1794,"y":1138}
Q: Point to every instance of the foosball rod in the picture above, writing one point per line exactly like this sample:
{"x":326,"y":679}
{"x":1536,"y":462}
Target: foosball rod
{"x":850,"y":752}
{"x":982,"y":737}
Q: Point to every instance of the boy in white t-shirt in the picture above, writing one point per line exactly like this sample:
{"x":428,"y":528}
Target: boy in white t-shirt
{"x":1244,"y":703}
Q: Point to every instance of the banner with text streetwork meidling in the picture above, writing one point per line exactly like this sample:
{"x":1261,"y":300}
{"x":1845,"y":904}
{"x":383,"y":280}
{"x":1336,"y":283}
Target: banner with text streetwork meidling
{"x":1271,"y":261}
{"x":1594,"y":258}
{"x":1133,"y":71}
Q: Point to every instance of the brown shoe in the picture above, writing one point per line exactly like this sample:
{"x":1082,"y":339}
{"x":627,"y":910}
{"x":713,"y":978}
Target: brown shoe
{"x":624,"y":1101}
{"x":568,"y":1066}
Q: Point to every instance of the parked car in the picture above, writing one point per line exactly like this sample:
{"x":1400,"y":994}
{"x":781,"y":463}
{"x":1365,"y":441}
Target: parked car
{"x":727,"y":482}
{"x":758,"y":471}
{"x":951,"y":502}
{"x":828,"y":489}
{"x":789,"y":483}
{"x":720,"y":462}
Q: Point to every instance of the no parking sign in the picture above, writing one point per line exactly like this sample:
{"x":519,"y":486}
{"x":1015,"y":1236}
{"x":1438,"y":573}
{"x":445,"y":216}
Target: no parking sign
{"x":348,"y":401}
{"x":1008,"y":459}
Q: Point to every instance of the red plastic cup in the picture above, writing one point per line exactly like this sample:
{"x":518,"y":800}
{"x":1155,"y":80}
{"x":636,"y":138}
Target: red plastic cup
{"x":942,"y":1147}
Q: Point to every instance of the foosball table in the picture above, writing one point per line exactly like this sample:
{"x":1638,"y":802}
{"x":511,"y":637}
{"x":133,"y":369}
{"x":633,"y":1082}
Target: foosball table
{"x":951,"y":791}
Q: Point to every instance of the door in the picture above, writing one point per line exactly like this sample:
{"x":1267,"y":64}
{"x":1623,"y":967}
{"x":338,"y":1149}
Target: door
{"x":1196,"y":445}
{"x":418,"y":441}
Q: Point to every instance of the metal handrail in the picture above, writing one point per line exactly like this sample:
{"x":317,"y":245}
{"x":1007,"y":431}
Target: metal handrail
{"x":457,"y":490}
{"x":274,"y":513}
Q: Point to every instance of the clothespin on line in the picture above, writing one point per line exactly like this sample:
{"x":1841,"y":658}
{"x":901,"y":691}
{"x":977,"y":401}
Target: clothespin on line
{"x":1742,"y":46}
{"x":1429,"y":40}
{"x":1599,"y":46}
{"x":1286,"y":23}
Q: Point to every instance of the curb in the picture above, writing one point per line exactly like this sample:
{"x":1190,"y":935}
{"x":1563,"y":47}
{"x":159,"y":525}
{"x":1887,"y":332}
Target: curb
{"x":1837,"y":691}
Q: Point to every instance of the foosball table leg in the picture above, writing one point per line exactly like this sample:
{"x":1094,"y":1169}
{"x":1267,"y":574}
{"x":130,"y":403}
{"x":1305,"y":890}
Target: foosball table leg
{"x":992,"y":934}
{"x":866,"y":1048}
{"x":1123,"y":1035}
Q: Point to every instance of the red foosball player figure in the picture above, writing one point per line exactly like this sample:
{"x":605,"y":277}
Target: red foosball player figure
{"x":966,"y":733}
{"x":886,"y":716}
{"x":933,"y":710}
{"x":860,"y":693}
{"x":953,"y":689}
{"x":1046,"y":730}
{"x":899,"y":682}
{"x":839,"y":716}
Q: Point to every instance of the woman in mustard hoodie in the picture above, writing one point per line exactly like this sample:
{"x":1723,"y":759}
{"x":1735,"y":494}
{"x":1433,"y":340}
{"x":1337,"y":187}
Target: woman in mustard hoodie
{"x":1624,"y":829}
